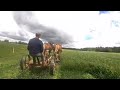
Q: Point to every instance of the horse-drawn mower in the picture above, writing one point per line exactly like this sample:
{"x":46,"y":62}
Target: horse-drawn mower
{"x":51,"y":56}
{"x":27,"y":63}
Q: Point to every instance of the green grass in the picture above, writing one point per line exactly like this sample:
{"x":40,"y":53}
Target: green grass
{"x":10,"y":68}
{"x":73,"y":65}
{"x":97,"y":65}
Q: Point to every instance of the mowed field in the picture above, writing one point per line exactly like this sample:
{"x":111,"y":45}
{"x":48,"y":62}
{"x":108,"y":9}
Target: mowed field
{"x":74,"y":64}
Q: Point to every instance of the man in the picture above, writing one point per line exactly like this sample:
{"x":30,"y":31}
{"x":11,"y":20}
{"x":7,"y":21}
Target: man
{"x":35,"y":48}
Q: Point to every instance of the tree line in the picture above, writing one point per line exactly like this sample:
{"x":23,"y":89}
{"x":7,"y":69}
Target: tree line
{"x":102,"y":49}
{"x":19,"y":42}
{"x":98,"y":49}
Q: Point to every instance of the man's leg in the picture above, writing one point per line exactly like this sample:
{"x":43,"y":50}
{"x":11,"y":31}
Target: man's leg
{"x":38,"y":60}
{"x":34,"y":60}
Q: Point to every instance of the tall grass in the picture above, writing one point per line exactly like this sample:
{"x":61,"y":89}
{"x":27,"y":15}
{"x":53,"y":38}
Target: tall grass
{"x":88,"y":65}
{"x":73,"y":65}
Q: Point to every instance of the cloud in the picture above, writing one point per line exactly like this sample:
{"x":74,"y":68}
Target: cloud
{"x":27,"y":19}
{"x":13,"y":36}
{"x":82,"y":29}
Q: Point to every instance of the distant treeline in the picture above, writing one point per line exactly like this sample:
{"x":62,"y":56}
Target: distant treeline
{"x":19,"y":42}
{"x":98,"y":49}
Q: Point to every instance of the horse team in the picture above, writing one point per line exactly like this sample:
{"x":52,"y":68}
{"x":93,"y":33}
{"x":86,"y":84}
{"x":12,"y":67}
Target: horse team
{"x":54,"y":50}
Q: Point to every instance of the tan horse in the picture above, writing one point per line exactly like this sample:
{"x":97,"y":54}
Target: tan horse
{"x":47,"y":49}
{"x":57,"y":51}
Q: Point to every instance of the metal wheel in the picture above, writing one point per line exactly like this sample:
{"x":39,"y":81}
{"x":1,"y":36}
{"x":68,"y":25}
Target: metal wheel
{"x":24,"y":62}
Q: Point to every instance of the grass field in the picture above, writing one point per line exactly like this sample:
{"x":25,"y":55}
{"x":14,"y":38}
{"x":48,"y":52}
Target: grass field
{"x":74,"y":65}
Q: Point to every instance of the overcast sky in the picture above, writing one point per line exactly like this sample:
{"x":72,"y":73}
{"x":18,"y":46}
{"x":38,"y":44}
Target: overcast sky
{"x":72,"y":28}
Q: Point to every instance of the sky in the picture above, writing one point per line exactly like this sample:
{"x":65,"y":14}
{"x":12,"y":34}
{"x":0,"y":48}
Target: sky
{"x":77,"y":29}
